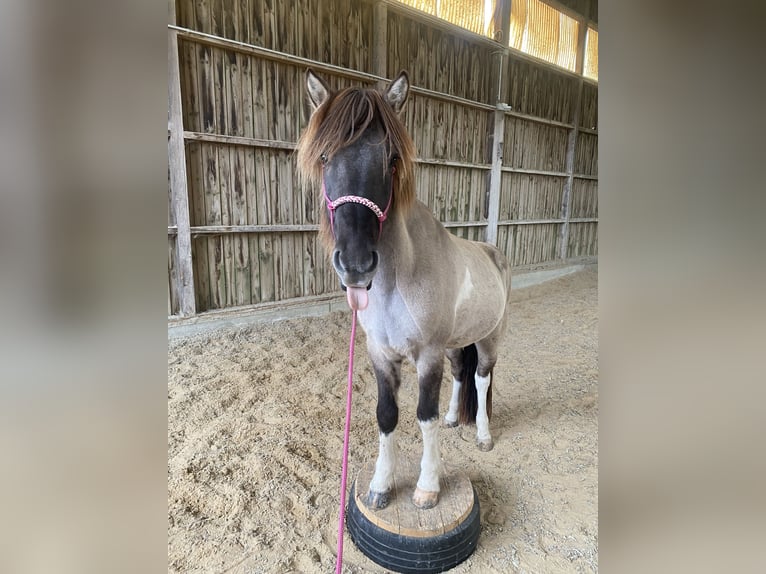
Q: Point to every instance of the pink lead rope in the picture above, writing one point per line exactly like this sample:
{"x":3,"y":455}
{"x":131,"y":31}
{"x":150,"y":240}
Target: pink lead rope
{"x":344,"y":474}
{"x":381,"y":215}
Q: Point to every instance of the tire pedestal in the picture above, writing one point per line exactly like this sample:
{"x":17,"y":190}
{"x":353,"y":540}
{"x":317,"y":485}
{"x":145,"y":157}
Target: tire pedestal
{"x":404,"y":538}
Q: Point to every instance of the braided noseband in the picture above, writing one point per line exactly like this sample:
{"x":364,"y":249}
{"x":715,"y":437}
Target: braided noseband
{"x":381,"y":215}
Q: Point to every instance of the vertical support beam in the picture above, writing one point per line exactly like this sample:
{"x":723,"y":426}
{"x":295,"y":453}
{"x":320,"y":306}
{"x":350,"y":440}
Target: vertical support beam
{"x":184,"y":284}
{"x":380,"y":41}
{"x":502,"y":21}
{"x":566,"y":202}
{"x":493,"y":199}
{"x":503,"y":15}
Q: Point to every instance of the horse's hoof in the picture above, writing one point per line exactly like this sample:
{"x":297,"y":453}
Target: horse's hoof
{"x":449,"y":424}
{"x":485,"y":445}
{"x":377,"y":500}
{"x":425,"y":499}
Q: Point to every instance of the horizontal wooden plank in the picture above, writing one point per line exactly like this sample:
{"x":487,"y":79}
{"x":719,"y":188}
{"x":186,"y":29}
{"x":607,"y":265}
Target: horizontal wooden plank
{"x":238,"y":140}
{"x":225,"y":229}
{"x":591,"y":81}
{"x":543,"y":172}
{"x":508,"y":169}
{"x":529,"y":222}
{"x":450,"y":98}
{"x":448,"y":163}
{"x":275,"y":144}
{"x":267,"y":54}
{"x":531,"y":118}
{"x":450,"y":224}
{"x":243,"y":311}
{"x":547,"y":221}
{"x":583,"y":220}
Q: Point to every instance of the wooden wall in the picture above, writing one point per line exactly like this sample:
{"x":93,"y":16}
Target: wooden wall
{"x":253,"y":226}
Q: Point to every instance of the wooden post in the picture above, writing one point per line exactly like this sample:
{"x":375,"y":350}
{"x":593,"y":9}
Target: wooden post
{"x":502,"y":18}
{"x":566,"y":201}
{"x":380,"y":41}
{"x":495,"y":175}
{"x":184,"y":283}
{"x":502,"y":30}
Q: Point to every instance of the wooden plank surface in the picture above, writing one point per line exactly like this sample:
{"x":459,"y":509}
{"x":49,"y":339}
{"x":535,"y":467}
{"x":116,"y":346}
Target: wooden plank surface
{"x":253,"y":226}
{"x":402,"y":517}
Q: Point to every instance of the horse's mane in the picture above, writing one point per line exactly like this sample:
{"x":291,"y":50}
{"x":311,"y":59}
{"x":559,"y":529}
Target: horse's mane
{"x":339,"y":122}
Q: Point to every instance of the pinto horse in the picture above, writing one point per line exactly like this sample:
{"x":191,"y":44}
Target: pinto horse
{"x":420,"y":291}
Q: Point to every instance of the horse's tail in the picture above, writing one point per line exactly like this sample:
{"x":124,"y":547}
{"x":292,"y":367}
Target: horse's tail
{"x":469,"y":404}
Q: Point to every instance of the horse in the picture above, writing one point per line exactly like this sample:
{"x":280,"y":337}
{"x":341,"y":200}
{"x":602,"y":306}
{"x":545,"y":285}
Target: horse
{"x":420,"y":292}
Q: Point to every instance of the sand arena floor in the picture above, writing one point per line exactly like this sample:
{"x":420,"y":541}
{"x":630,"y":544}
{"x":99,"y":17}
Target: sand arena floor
{"x":255,"y":437}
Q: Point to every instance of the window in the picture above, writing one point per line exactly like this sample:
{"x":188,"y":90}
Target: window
{"x":473,"y":15}
{"x":590,"y":68}
{"x":536,"y":28}
{"x":542,"y":31}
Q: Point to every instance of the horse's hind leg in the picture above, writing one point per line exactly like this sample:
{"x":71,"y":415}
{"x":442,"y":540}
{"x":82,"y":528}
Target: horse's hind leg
{"x":430,"y":368}
{"x":387,"y":373}
{"x":487,"y":350}
{"x":455,"y":357}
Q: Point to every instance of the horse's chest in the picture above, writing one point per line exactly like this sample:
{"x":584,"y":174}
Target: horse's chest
{"x":391,"y":327}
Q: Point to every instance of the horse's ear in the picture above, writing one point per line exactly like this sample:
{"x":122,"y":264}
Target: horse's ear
{"x":318,"y":91}
{"x":397,"y":92}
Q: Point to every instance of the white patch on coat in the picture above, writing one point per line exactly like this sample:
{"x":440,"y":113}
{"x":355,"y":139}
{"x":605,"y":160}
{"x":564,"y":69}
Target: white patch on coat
{"x":451,"y":416}
{"x":466,"y":288}
{"x":383,"y":479}
{"x":482,"y":420}
{"x":430,"y":464}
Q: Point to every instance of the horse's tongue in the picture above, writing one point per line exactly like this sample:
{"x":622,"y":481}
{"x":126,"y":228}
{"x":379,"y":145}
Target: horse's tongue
{"x":357,"y":298}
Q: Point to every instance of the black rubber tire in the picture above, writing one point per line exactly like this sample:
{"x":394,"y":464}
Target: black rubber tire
{"x":408,"y":554}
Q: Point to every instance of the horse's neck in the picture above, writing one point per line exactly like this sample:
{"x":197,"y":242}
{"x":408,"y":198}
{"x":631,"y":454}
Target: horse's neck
{"x":400,"y":245}
{"x":394,"y":249}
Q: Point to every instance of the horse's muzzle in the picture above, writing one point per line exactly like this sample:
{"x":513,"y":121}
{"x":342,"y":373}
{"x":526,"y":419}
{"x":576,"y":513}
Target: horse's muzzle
{"x":354,"y":270}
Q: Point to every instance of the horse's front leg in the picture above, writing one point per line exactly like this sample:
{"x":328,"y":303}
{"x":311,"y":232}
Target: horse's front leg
{"x":430,"y":369}
{"x":387,"y":373}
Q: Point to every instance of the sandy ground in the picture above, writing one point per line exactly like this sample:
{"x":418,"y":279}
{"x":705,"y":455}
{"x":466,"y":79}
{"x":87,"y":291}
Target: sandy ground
{"x":255,"y":425}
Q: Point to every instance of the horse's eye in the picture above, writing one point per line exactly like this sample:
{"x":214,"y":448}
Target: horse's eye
{"x":394,"y":159}
{"x":323,"y":158}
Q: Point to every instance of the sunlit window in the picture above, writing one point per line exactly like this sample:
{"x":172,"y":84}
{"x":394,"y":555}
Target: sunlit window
{"x":473,"y":15}
{"x":590,"y":68}
{"x":537,"y":28}
{"x":542,"y":31}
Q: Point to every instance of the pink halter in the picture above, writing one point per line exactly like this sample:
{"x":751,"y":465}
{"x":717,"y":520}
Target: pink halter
{"x":381,"y":215}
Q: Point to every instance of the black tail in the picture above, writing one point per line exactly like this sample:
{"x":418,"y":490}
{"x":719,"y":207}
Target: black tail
{"x":469,"y":404}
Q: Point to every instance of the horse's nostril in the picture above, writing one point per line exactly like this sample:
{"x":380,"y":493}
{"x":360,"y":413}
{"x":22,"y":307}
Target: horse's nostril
{"x":355,"y":265}
{"x":336,"y":260}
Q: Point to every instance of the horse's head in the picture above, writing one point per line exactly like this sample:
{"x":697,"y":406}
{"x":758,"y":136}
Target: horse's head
{"x":359,"y":150}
